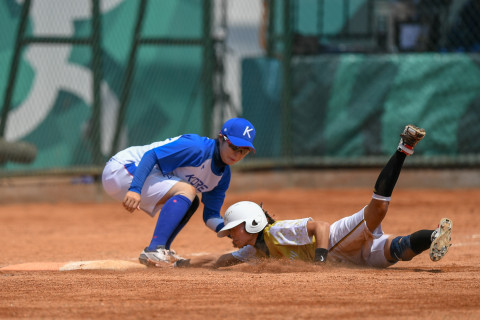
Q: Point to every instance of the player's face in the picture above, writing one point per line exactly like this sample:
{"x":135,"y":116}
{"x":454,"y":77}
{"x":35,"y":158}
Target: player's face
{"x":230,"y":153}
{"x":240,"y":237}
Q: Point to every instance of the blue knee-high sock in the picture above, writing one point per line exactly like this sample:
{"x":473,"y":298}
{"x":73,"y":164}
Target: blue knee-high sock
{"x":184,"y":221}
{"x":170,"y":217}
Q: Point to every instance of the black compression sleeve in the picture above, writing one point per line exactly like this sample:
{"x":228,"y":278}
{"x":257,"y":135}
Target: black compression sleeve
{"x":388,"y":177}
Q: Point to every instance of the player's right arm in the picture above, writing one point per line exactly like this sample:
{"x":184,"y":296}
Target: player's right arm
{"x":209,"y":261}
{"x":180,"y":152}
{"x":131,"y":201}
{"x":226,"y":260}
{"x":244,"y":254}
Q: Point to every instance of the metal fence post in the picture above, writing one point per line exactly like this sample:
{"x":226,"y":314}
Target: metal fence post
{"x":208,"y":62}
{"x":287,"y":79}
{"x":14,"y":66}
{"x":98,"y":159}
{"x":127,"y":82}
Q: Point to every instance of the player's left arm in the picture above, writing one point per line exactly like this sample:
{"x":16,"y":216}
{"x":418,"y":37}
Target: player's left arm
{"x":213,"y":201}
{"x":321,"y":231}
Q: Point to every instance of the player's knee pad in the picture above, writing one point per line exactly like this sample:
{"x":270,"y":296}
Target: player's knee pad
{"x":191,"y":210}
{"x":399,"y":247}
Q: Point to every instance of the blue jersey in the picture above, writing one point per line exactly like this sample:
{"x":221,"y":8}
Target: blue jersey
{"x":193,"y":159}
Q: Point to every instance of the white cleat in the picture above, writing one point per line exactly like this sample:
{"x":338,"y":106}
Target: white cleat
{"x":151,"y":257}
{"x":441,"y":240}
{"x":174,"y":256}
{"x":409,"y":138}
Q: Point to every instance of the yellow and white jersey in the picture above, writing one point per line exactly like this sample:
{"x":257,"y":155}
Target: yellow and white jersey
{"x":350,"y":241}
{"x":285,"y":238}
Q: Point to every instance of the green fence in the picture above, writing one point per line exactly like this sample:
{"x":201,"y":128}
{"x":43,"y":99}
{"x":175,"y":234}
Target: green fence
{"x":344,"y":77}
{"x":350,"y":109}
{"x":334,"y":86}
{"x":100,"y":78}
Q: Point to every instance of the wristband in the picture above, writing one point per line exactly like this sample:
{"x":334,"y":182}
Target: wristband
{"x":320,"y":255}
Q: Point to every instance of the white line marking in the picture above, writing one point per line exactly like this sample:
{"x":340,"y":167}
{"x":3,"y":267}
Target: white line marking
{"x":465,"y":244}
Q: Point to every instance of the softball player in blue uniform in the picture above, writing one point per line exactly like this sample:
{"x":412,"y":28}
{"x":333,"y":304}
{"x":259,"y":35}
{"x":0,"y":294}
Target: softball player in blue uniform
{"x":166,"y":176}
{"x":357,"y":239}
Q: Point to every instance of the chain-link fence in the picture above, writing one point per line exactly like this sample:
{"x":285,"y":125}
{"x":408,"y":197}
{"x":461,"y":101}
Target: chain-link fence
{"x":342,"y":78}
{"x":325,"y":82}
{"x":88,"y":78}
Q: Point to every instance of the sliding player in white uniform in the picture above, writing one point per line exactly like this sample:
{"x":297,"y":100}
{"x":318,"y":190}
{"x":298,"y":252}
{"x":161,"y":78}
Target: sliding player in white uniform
{"x":357,"y":239}
{"x":167,"y":175}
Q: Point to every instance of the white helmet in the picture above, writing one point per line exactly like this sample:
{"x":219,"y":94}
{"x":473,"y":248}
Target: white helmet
{"x":244,"y":211}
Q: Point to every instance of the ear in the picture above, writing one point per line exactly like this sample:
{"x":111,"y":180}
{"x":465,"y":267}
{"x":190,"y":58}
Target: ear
{"x":221,"y":139}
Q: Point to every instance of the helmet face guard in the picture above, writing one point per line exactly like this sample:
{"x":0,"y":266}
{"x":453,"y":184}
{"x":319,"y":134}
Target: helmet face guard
{"x":244,"y":211}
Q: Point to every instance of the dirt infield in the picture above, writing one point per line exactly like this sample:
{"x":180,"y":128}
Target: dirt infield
{"x":63,"y":232}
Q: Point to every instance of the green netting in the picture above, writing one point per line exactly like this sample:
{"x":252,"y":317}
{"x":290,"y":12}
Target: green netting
{"x":342,"y":109}
{"x":53,"y":88}
{"x":355,"y":106}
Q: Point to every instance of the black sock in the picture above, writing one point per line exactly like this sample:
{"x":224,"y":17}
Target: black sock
{"x":421,"y":240}
{"x":388,"y":177}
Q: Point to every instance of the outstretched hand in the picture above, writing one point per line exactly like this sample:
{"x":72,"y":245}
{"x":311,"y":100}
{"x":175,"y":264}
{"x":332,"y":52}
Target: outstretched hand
{"x":205,"y":261}
{"x":131,"y":201}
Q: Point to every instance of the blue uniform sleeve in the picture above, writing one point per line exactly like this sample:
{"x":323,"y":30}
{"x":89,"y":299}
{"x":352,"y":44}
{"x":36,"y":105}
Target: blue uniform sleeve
{"x":213,"y":201}
{"x":142,"y":171}
{"x":185,"y":151}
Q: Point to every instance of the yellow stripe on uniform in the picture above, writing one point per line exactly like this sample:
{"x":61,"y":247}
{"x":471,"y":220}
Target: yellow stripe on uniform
{"x":341,"y":240}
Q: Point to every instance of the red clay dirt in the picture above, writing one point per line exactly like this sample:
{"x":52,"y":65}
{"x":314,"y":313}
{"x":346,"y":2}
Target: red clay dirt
{"x":58,"y":233}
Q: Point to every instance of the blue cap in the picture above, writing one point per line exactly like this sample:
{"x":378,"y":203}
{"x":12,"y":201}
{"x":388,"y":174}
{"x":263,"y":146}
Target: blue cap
{"x":240,"y":132}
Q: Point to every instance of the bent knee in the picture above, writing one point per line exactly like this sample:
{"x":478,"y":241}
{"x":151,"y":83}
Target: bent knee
{"x":185,"y":189}
{"x":180,"y":188}
{"x":379,"y":206}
